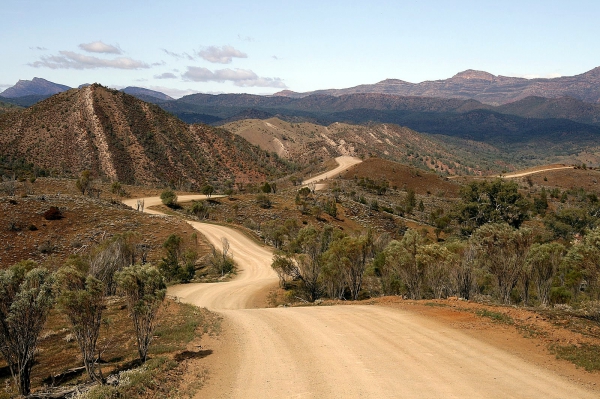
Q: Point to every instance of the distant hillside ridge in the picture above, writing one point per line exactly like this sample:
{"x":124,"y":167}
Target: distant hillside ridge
{"x":140,"y":91}
{"x":481,"y":86}
{"x":119,"y":137}
{"x":393,"y":109}
{"x":307,"y":143}
{"x":34,"y":87}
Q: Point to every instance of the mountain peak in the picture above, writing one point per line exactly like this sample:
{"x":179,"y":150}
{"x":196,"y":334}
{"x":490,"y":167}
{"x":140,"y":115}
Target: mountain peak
{"x":286,"y":93}
{"x":393,"y":82}
{"x":471,"y":74}
{"x":34,"y":87}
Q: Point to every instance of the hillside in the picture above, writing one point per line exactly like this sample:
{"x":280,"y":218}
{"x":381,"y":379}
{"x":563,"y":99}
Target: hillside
{"x":481,"y":86}
{"x":529,"y":132}
{"x":402,"y":176}
{"x":7,"y":107}
{"x":306,"y":142}
{"x":119,"y":137}
{"x":563,"y":107}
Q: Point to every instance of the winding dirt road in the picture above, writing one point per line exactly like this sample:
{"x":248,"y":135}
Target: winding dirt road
{"x":344,"y":162}
{"x":348,"y":351}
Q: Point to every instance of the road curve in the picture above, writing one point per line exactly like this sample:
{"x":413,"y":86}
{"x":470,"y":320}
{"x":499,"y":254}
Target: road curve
{"x":349,"y":351}
{"x":344,"y":162}
{"x":253,"y":260}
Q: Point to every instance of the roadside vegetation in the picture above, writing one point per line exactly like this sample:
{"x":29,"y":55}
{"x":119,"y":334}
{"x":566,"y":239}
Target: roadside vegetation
{"x":93,"y":294}
{"x":88,"y":312}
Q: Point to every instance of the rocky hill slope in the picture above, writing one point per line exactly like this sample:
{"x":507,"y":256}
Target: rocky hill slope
{"x":118,"y":137}
{"x":305,"y":143}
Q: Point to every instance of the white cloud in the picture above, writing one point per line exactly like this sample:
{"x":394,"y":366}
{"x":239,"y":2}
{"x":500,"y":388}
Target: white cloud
{"x":220,"y":55}
{"x":166,"y":75}
{"x":178,"y":55}
{"x":72,"y":60}
{"x":100,"y":47}
{"x":239,"y":77}
{"x":39,"y":48}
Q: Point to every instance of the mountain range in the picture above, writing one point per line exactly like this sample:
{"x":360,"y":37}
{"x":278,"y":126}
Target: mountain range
{"x":524,"y":132}
{"x":481,"y":86}
{"x":470,"y":84}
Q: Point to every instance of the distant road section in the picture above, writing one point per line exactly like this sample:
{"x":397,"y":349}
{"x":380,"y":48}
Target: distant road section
{"x":531,"y":172}
{"x":344,"y":162}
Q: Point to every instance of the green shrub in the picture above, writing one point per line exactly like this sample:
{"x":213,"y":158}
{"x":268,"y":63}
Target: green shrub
{"x":559,"y":295}
{"x":169,"y":198}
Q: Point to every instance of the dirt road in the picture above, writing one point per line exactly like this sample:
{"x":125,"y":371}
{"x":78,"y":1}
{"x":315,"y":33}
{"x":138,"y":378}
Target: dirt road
{"x":344,"y":162}
{"x":531,"y":172}
{"x":349,"y":351}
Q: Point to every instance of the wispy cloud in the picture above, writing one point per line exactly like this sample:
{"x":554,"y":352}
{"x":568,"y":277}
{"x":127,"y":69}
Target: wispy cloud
{"x":178,"y":55}
{"x":275,"y":58}
{"x":246,"y":38}
{"x":239,"y":77}
{"x":220,"y":55}
{"x":38,"y":48}
{"x":100,"y":47}
{"x":166,"y":75}
{"x":72,"y":60}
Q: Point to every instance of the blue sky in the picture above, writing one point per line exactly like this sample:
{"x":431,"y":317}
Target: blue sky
{"x":261,"y":47}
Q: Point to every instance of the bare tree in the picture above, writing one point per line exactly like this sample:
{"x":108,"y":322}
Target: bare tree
{"x":223,"y":262}
{"x":464,"y":272}
{"x":26,"y":297}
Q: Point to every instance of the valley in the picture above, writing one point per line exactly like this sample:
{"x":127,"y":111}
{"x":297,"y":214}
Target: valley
{"x":313,"y":254}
